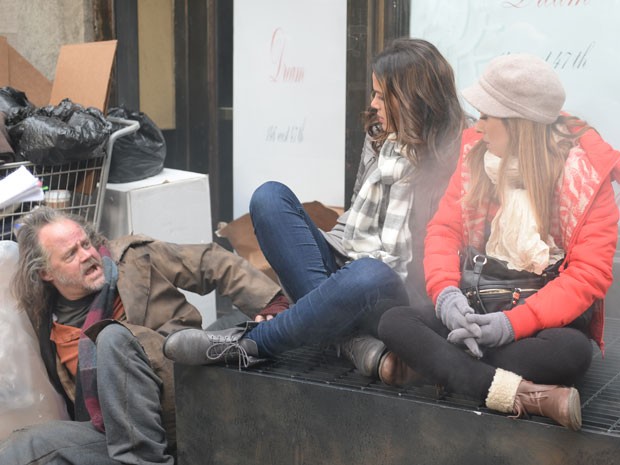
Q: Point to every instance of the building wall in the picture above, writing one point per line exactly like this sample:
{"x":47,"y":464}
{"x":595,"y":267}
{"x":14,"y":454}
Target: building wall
{"x":156,"y":61}
{"x":38,"y":28}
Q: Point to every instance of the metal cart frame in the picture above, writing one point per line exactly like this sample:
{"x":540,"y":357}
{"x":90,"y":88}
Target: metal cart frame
{"x":85,"y":179}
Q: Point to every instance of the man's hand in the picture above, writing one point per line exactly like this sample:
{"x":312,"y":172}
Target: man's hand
{"x":277,"y":305}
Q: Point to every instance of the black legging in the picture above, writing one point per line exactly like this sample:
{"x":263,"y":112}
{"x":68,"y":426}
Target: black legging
{"x":552,"y":356}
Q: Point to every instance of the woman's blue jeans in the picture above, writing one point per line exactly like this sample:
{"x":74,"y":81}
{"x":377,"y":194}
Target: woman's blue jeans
{"x":329,"y":303}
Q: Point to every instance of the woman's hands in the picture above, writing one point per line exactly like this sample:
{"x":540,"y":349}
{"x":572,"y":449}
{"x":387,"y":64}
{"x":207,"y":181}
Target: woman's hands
{"x":469,"y":328}
{"x":452,"y":309}
{"x":495,"y":329}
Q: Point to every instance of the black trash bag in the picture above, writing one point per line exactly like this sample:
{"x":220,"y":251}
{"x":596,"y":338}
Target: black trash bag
{"x":12,"y":98}
{"x":139,"y":155}
{"x":55,"y":135}
{"x":7,"y":154}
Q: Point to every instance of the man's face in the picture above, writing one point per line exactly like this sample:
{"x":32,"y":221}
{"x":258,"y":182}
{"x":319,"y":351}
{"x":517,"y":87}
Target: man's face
{"x":75,"y":267}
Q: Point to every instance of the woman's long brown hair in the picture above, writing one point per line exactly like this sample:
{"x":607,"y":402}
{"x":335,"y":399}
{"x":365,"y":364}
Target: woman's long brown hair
{"x":428,"y":115}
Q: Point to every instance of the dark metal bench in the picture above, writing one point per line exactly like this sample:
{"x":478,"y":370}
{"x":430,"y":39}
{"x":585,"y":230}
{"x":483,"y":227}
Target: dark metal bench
{"x":311,"y":407}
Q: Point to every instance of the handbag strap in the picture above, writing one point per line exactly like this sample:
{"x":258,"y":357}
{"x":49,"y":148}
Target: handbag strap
{"x":479,"y":261}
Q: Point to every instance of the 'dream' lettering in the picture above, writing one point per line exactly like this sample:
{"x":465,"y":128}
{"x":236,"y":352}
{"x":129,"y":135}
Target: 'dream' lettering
{"x":281,"y":71}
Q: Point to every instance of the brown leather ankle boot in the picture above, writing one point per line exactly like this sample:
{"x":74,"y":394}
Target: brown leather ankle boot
{"x":395,"y":372}
{"x":561,"y":404}
{"x":509,"y":393}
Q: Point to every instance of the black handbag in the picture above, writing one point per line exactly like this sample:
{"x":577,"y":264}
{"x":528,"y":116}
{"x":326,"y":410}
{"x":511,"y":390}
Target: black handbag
{"x":490,"y":286}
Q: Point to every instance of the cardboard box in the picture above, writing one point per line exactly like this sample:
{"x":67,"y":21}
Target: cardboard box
{"x":17,"y":72}
{"x":172,"y":206}
{"x":82,"y":74}
{"x":4,"y":62}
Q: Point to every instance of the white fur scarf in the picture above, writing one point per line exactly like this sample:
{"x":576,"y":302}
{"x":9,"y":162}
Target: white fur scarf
{"x":514,"y":231}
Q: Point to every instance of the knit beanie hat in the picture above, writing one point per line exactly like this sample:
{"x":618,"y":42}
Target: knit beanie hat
{"x":518,"y":86}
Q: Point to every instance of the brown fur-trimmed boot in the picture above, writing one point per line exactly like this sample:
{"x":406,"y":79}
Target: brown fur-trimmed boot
{"x":509,"y":393}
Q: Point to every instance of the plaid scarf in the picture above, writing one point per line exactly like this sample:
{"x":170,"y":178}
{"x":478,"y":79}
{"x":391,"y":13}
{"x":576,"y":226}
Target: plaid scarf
{"x":100,"y":309}
{"x":386,"y":194}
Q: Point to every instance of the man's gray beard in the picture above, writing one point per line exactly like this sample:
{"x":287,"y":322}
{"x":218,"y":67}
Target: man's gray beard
{"x":93,"y":287}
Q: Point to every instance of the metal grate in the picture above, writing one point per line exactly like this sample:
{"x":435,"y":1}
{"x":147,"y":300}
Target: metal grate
{"x":600,"y":388}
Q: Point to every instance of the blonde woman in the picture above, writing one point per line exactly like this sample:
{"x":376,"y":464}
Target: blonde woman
{"x":532,"y":188}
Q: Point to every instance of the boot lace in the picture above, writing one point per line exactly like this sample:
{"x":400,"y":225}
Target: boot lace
{"x":523,"y":400}
{"x":227,"y":350}
{"x":531,"y":398}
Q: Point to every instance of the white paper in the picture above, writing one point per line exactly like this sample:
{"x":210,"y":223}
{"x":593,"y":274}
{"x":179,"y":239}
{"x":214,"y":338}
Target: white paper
{"x":19,"y":186}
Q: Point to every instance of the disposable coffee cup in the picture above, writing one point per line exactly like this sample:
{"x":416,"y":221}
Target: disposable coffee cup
{"x":58,"y":199}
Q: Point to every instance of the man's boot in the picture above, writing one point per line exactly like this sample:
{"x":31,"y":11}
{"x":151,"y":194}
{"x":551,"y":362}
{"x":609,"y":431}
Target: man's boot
{"x":509,"y":393}
{"x":199,"y":347}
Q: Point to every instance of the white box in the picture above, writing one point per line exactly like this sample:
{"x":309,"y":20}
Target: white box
{"x":172,"y":206}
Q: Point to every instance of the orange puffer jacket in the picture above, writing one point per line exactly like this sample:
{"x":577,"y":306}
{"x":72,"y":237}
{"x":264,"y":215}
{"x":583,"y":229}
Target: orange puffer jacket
{"x":587,"y":229}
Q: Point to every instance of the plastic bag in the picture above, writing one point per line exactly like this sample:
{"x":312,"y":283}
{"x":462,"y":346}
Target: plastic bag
{"x":54,"y":135}
{"x":139,"y":155}
{"x":12,"y":98}
{"x":26,"y":395}
{"x":7,"y":154}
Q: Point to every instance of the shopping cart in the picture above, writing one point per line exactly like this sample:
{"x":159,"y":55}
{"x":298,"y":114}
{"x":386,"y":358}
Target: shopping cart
{"x":77,"y":187}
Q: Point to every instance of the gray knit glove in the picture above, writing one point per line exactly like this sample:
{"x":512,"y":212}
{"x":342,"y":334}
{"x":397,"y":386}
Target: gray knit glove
{"x":462,"y":336}
{"x":452,"y":308}
{"x":495,"y":328}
